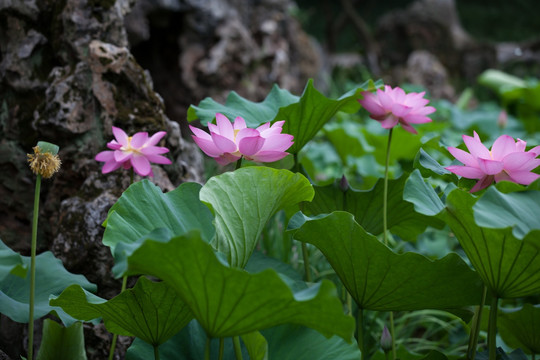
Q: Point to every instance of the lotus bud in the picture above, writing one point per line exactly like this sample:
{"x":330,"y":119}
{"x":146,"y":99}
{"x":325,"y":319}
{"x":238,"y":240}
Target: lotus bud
{"x":386,"y":340}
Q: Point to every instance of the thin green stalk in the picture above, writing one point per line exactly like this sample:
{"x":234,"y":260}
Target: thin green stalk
{"x":360,"y":332}
{"x":156,"y":352}
{"x":115,"y":336}
{"x":492,"y":328}
{"x":385,"y":229}
{"x":475,"y":330}
{"x":305,"y":256}
{"x":207,"y":348}
{"x":392,"y":332}
{"x":238,"y":164}
{"x":131,"y":175}
{"x":305,"y":253}
{"x":385,"y":193}
{"x":349,"y":303}
{"x":221,"y":348}
{"x":33,"y":247}
{"x":237,"y":347}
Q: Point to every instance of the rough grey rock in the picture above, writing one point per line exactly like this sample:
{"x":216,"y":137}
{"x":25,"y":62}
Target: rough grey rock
{"x":424,"y":69}
{"x":434,"y":26}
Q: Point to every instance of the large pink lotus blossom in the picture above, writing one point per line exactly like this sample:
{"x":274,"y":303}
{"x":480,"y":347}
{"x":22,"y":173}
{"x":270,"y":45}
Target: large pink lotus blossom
{"x":228,"y":142}
{"x":393,"y":106}
{"x":507,"y":160}
{"x":138,"y":151}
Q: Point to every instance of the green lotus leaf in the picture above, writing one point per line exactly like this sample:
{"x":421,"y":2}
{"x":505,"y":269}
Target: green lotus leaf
{"x":51,"y":279}
{"x":143,"y":208}
{"x":379,"y":279}
{"x":123,"y":250}
{"x":305,"y":118}
{"x":293,"y":342}
{"x":521,"y":328}
{"x":10,"y":262}
{"x":254,"y":113}
{"x":510,"y":267}
{"x":519,"y":210}
{"x":228,"y":301}
{"x":61,"y":342}
{"x":150,"y":310}
{"x":421,"y":195}
{"x":244,"y":200}
{"x":367,"y":207}
{"x":256,"y":345}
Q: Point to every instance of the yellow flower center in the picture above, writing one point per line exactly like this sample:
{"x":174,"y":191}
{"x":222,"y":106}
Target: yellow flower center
{"x":130,"y":148}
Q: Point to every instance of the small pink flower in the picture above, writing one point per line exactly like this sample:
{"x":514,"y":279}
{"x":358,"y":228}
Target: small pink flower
{"x":393,"y":106}
{"x":507,"y":160}
{"x":228,"y":142}
{"x":137,"y":151}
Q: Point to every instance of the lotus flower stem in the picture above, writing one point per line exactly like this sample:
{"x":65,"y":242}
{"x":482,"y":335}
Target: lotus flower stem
{"x":238,"y":164}
{"x":156,"y":352}
{"x":385,"y":193}
{"x":360,"y":332}
{"x":115,"y":336}
{"x":392,"y":332}
{"x":207,"y":348}
{"x":221,"y":348}
{"x":305,"y":252}
{"x":237,"y":347}
{"x":349,"y":303}
{"x":124,"y":286}
{"x":492,"y":328}
{"x":33,"y":269}
{"x":473,"y":341}
{"x":44,"y":162}
{"x":305,"y":256}
{"x":385,"y":229}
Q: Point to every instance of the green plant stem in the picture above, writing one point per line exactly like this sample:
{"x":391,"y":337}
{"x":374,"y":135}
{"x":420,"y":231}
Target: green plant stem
{"x":131,"y":175}
{"x":207,"y":348}
{"x":473,"y":340}
{"x":305,"y":256}
{"x":33,"y":247}
{"x":237,"y":347}
{"x":115,"y":336}
{"x":385,"y":193}
{"x":305,"y":253}
{"x":385,"y":229}
{"x":238,"y":164}
{"x":492,"y":328}
{"x":392,"y":332}
{"x":221,"y":347}
{"x":360,"y":332}
{"x":156,"y":352}
{"x":349,"y":303}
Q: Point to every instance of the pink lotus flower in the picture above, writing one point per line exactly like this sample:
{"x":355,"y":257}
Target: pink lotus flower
{"x":507,"y":160}
{"x":228,"y":142}
{"x":137,"y":151}
{"x":393,"y":106}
